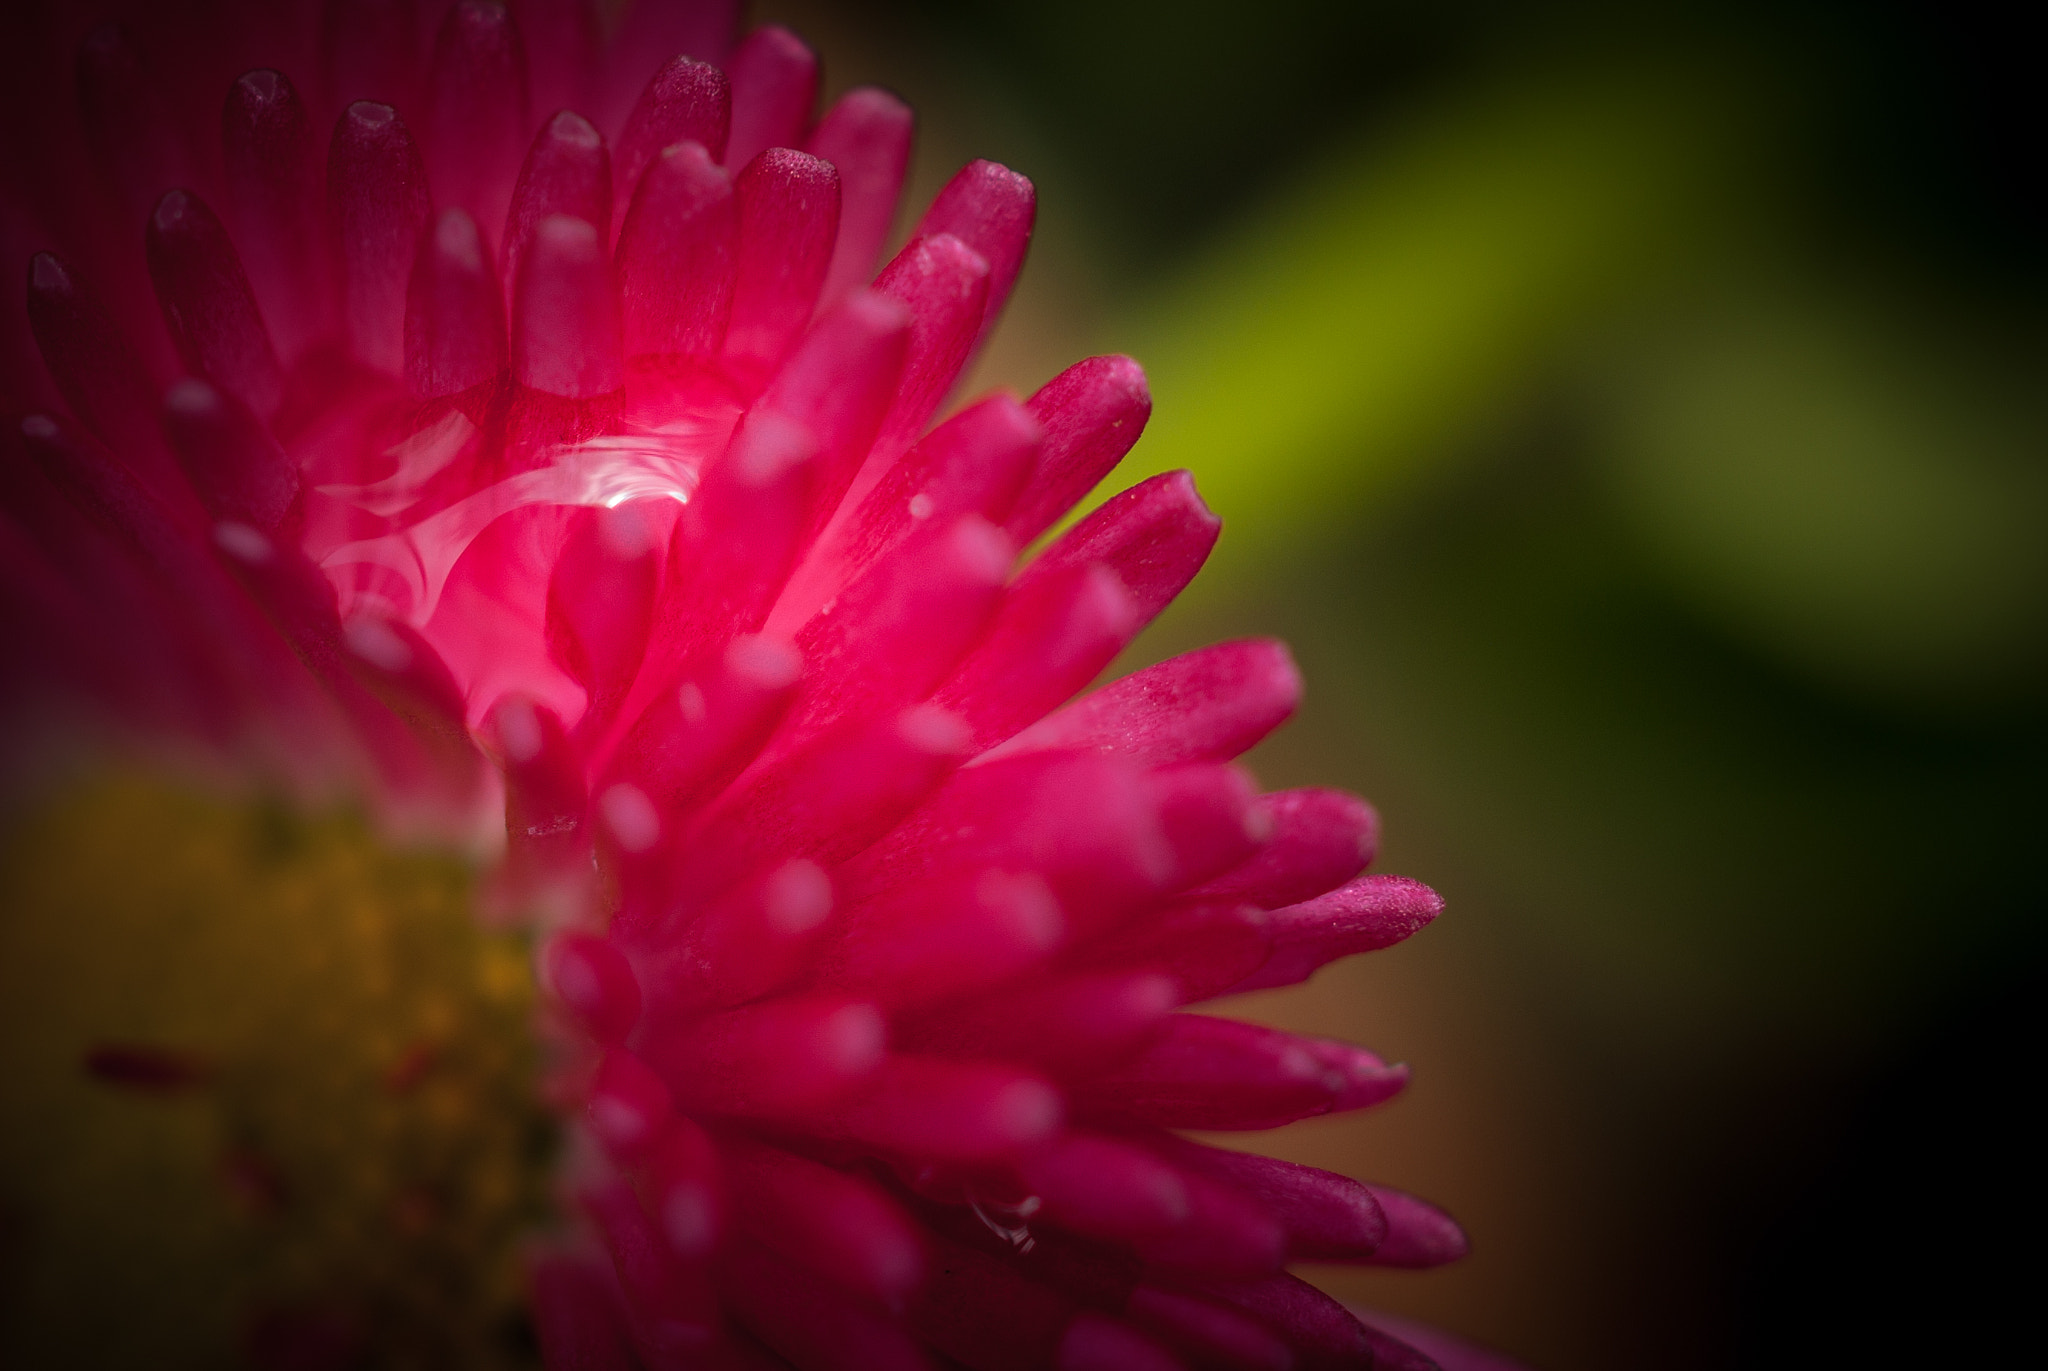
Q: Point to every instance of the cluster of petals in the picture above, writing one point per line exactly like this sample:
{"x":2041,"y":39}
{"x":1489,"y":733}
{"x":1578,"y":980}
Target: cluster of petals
{"x":479,"y":412}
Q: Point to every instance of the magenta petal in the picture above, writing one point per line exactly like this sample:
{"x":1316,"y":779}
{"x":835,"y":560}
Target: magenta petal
{"x":561,"y":45}
{"x":676,"y":256}
{"x":567,"y":171}
{"x":629,"y":1107}
{"x":970,"y":1292}
{"x":892,"y":635}
{"x":1418,"y":1234}
{"x":1322,"y":1332}
{"x":756,"y":939}
{"x":565,"y":313}
{"x":1226,"y":1233}
{"x":991,"y":209}
{"x":1173,"y":1218}
{"x":1208,"y":1332}
{"x":946,"y":938}
{"x":246,"y":654}
{"x":1106,"y":1188}
{"x":274,"y":191}
{"x":829,"y":799}
{"x":1049,"y":639}
{"x":774,"y":85}
{"x":208,"y":306}
{"x":137,"y":147}
{"x":1327,"y":1217}
{"x":99,"y":375}
{"x":633,"y":846}
{"x":1221,"y":1074}
{"x":943,"y":283}
{"x":1155,"y":536}
{"x":1205,"y":705}
{"x":682,"y":1180}
{"x":372,"y":49}
{"x":1206,"y":948}
{"x":838,"y":385}
{"x":810,"y":1320}
{"x":404,"y":671}
{"x":593,"y":980}
{"x":840,"y":1227}
{"x":234,"y":464}
{"x":1320,"y":839}
{"x":1071,"y":1026}
{"x":652,"y":34}
{"x":866,"y":135}
{"x":397,"y":666}
{"x":970,"y":464}
{"x":731,"y":550}
{"x":686,"y":101}
{"x":416,"y":765}
{"x":1211,"y":817}
{"x":947,"y":1111}
{"x":670,"y":1308}
{"x":1090,"y":825}
{"x":973,"y":463}
{"x":773,"y":1059}
{"x":490,"y":620}
{"x":600,"y":599}
{"x":1093,"y":1343}
{"x":788,"y":209}
{"x":1092,"y":412}
{"x":378,"y":203}
{"x":476,"y":108}
{"x":545,"y":801}
{"x":1370,"y":913}
{"x":697,"y":736}
{"x":454,"y":311}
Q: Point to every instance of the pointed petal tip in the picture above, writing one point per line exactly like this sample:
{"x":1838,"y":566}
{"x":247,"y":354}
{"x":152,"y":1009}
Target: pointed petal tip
{"x":1181,"y":482}
{"x":992,"y":178}
{"x":370,"y":115}
{"x":567,"y":126}
{"x":172,"y":211}
{"x":1419,"y":1235}
{"x":1127,"y":371}
{"x":261,"y":87}
{"x":774,"y":87}
{"x":47,"y":274}
{"x":778,"y":39}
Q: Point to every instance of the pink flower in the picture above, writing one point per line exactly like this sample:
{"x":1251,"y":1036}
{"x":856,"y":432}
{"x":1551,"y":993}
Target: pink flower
{"x":602,"y":448}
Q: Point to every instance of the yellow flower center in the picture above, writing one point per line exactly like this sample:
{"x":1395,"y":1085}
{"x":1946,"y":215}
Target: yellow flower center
{"x":265,"y":1084}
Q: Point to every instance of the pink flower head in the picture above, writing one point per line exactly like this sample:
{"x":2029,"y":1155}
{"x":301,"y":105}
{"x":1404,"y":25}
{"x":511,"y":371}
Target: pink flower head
{"x":491,"y":391}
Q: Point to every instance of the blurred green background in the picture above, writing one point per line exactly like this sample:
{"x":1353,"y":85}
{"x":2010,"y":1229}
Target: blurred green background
{"x":1636,"y":424}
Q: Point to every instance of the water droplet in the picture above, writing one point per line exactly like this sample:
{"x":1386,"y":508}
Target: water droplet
{"x":1009,"y":1221}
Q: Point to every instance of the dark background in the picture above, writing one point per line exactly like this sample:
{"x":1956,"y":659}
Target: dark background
{"x":1681,"y":605}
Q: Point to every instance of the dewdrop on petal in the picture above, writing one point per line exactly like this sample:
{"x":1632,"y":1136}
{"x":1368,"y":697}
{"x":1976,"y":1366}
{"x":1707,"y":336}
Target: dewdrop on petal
{"x":516,"y":415}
